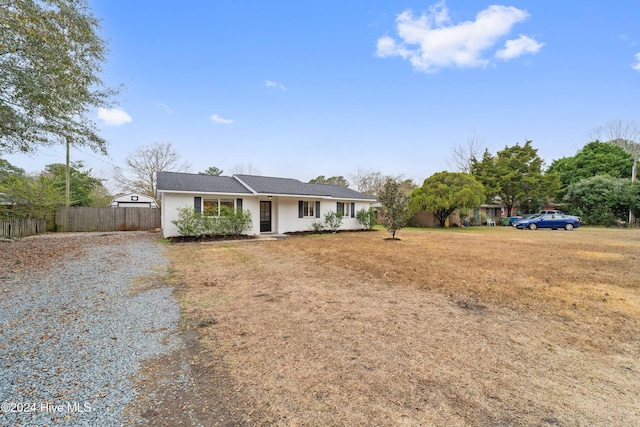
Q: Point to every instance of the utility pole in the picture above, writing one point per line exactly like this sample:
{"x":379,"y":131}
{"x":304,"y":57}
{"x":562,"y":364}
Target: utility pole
{"x":632,"y":219}
{"x":67,"y":179}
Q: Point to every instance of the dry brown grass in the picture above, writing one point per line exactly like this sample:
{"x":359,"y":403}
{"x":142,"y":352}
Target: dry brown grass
{"x":458,"y":327}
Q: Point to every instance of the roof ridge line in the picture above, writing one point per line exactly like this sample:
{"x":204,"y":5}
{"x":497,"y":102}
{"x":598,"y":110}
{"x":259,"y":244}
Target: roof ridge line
{"x":245,"y":185}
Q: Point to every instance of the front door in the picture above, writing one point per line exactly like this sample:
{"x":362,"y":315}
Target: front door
{"x":265,"y":216}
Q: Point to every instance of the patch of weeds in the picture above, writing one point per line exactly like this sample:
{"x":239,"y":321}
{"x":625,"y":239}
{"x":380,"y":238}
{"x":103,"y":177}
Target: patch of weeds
{"x":239,"y":254}
{"x":141,"y":284}
{"x":207,"y":322}
{"x":470,"y":303}
{"x":213,"y":300}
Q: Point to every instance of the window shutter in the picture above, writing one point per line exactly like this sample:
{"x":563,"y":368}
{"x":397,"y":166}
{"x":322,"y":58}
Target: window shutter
{"x":197,"y":204}
{"x":338,"y":207}
{"x":353,"y":208}
{"x":239,"y":205}
{"x":300,"y":209}
{"x":317,"y":209}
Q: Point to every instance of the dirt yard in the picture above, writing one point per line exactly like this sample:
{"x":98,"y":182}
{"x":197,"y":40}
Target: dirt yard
{"x":478,"y":327}
{"x":481,"y":326}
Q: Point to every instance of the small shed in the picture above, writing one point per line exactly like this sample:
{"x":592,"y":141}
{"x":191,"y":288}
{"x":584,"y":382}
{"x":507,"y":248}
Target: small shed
{"x":133,"y":200}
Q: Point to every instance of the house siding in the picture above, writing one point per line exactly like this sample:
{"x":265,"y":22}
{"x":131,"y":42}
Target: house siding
{"x":170,"y":205}
{"x":289,"y":220}
{"x":171,"y":202}
{"x":284,"y":212}
{"x":178,"y":190}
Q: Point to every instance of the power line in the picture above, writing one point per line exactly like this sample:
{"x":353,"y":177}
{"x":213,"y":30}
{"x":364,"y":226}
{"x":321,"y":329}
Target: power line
{"x":97,"y":158}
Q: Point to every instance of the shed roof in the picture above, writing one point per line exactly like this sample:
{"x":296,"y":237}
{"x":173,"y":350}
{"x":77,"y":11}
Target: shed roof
{"x":127,"y":198}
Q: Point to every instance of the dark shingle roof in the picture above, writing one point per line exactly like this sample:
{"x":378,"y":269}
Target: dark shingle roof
{"x":271,"y":185}
{"x":175,"y":181}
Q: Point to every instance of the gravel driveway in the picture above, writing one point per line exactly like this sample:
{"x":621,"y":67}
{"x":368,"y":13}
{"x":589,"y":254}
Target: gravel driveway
{"x":75,"y":326}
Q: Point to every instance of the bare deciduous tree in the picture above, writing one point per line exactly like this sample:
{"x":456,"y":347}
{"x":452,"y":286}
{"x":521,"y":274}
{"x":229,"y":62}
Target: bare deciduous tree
{"x":371,"y":182}
{"x":463,"y":154}
{"x":367,"y":181}
{"x":624,"y":134}
{"x":247,"y":169}
{"x":142,"y":165}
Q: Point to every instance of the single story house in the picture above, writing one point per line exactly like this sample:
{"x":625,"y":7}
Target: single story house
{"x":428,"y":219}
{"x":277,"y":205}
{"x":133,"y":200}
{"x":476,"y":216}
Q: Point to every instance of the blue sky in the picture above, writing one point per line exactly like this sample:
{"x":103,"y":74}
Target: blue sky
{"x":301,"y":89}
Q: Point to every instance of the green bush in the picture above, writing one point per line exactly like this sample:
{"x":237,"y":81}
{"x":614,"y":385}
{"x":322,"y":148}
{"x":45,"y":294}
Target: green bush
{"x":366,"y":218}
{"x":333,"y":221}
{"x":316,"y":226}
{"x":231,"y":223}
{"x":189,"y":222}
{"x":234,"y":223}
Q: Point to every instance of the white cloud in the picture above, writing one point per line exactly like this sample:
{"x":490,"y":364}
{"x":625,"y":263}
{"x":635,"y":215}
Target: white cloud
{"x":113,"y":116}
{"x":164,"y":107}
{"x":431,"y":41}
{"x":216,"y":118}
{"x":517,"y":47}
{"x":440,"y":13}
{"x":271,"y":83}
{"x":625,"y":38}
{"x":636,"y":65}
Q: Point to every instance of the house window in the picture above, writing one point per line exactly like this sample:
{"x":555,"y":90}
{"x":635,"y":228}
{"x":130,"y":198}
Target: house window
{"x":216,"y":207}
{"x":343,"y":209}
{"x":226,"y":203}
{"x":210,"y":207}
{"x":308,"y":209}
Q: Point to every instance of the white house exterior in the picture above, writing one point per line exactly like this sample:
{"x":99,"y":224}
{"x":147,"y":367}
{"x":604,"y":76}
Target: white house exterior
{"x":277,"y":205}
{"x":133,"y":200}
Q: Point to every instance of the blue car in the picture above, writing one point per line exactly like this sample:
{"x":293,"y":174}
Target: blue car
{"x":552,"y":221}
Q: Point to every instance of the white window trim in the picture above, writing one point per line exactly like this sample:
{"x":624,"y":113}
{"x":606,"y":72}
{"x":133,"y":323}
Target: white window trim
{"x":311,"y":209}
{"x":346,"y":206}
{"x":218,"y":200}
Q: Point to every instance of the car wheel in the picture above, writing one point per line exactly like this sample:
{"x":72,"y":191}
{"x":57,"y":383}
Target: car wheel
{"x":532,"y":226}
{"x":568,"y":227}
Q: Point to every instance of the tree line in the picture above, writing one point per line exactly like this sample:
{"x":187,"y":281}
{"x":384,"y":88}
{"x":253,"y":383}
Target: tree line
{"x":595,"y":183}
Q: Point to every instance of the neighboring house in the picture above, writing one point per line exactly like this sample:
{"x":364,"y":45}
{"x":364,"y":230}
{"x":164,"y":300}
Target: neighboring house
{"x":428,"y":219}
{"x":476,"y":216}
{"x":5,"y":204}
{"x":133,"y":200}
{"x":493,"y":211}
{"x":277,"y":205}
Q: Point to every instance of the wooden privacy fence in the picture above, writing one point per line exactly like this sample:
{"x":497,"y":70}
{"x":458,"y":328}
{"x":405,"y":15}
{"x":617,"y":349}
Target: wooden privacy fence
{"x":107,"y":219}
{"x":22,"y":227}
